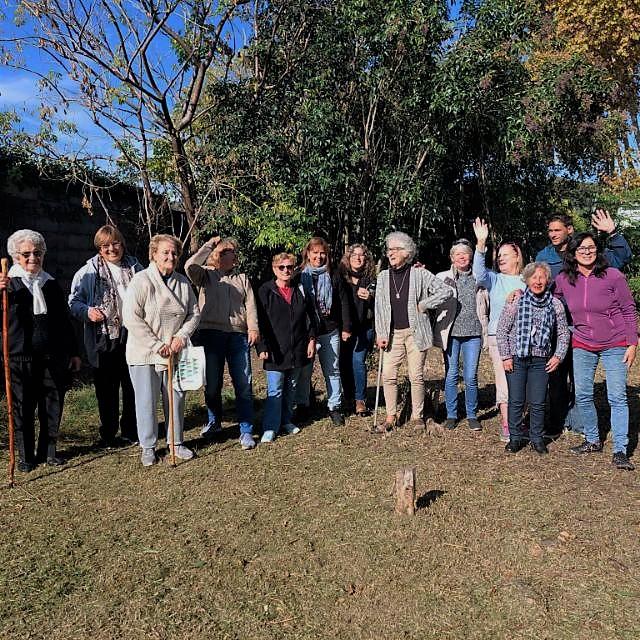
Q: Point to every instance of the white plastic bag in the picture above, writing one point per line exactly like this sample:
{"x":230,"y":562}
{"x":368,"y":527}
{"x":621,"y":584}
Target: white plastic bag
{"x":189,"y":372}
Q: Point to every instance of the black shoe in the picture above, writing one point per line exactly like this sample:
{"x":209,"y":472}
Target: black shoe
{"x":540,"y":447}
{"x":513,"y":446}
{"x":474,"y":424}
{"x":450,"y":424}
{"x":620,"y":461}
{"x":587,"y":447}
{"x":337,"y":418}
{"x":106,"y":443}
{"x":54,"y":461}
{"x":26,"y":467}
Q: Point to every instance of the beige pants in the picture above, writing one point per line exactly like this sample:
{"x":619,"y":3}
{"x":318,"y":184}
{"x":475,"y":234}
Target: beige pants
{"x":402,"y":345}
{"x":502,"y":391}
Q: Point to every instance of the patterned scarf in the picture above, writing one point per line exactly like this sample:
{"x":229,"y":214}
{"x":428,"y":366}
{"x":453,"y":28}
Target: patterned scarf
{"x":323,"y":294}
{"x":530,"y":335}
{"x":105,"y":295}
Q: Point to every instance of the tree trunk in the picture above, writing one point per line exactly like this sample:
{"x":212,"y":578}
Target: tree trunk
{"x":404,"y":491}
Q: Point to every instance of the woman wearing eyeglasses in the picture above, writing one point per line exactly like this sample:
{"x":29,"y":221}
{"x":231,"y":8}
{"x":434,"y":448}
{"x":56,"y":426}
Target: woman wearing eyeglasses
{"x":404,"y":295}
{"x":287,"y":343}
{"x":499,"y":284}
{"x":460,"y":328}
{"x":42,"y":349}
{"x":97,"y":292}
{"x":228,"y":328}
{"x":605,"y":330}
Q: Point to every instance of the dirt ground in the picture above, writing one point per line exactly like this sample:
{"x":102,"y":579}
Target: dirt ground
{"x":298,"y":539}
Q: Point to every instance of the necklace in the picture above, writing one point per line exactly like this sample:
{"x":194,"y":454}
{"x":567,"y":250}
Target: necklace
{"x":395,"y":286}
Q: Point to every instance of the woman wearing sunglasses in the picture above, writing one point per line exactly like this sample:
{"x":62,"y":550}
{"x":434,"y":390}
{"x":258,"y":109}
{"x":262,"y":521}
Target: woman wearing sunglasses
{"x":42,"y":349}
{"x":287,"y":343}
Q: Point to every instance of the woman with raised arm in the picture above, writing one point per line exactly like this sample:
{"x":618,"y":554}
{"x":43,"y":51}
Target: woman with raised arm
{"x":500,"y":284}
{"x":358,"y":272}
{"x":404,"y":296}
{"x":533,"y":338}
{"x":228,"y":328}
{"x":97,"y":292}
{"x":605,"y":329}
{"x":161,"y":313}
{"x":42,"y":349}
{"x":287,"y":344}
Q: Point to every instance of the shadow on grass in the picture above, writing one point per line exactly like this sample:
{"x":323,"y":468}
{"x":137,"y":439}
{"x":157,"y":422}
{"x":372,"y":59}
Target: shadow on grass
{"x":428,"y":498}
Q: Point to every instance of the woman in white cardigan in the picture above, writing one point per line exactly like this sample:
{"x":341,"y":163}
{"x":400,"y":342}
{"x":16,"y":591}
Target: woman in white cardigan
{"x":160,"y":313}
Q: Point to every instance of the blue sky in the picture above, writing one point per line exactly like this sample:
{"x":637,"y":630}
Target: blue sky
{"x":19,"y":92}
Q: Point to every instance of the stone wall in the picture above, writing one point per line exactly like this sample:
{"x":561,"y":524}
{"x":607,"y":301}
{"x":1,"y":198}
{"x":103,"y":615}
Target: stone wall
{"x":55,"y":210}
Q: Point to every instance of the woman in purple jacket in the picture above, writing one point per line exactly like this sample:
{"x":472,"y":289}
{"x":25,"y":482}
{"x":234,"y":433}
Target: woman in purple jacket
{"x":605,"y":329}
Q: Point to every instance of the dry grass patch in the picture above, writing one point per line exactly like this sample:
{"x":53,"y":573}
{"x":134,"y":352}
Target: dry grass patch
{"x":299,"y":540}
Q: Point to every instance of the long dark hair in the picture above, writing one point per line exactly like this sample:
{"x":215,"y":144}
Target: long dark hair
{"x":571,"y":264}
{"x":368,"y":268}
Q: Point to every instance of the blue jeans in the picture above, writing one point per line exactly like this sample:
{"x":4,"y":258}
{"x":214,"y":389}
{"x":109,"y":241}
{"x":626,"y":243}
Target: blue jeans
{"x":470,"y":349}
{"x":234,"y":348}
{"x":281,"y":391}
{"x":584,"y":369}
{"x":527,"y":383}
{"x":353,"y":364}
{"x":328,"y":346}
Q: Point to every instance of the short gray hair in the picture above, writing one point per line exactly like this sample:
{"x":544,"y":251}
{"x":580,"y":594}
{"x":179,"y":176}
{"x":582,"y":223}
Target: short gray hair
{"x":532,"y":267}
{"x":461,"y":245}
{"x":402,"y":240}
{"x":25,"y":235}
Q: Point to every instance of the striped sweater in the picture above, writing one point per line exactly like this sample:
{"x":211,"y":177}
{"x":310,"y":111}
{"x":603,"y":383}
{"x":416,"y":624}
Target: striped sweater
{"x":425,"y":292}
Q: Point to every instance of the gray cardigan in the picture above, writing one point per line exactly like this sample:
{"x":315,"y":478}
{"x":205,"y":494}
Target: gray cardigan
{"x":425,"y":292}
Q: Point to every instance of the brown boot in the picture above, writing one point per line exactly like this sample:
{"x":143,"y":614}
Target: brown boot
{"x":361,"y":409}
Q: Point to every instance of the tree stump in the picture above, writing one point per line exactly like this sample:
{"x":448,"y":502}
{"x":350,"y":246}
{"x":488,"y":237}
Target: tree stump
{"x":404,"y":491}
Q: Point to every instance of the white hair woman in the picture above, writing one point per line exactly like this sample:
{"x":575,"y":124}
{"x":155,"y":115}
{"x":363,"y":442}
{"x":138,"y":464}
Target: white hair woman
{"x":533,"y":338}
{"x":460,"y":326}
{"x":42,"y":349}
{"x":403,"y":297}
{"x":161,"y":313}
{"x":97,"y":291}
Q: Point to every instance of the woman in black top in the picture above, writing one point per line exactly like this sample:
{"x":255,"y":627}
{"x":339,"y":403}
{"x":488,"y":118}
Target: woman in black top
{"x":358,"y":272}
{"x":287,"y":342}
{"x":42,"y":349}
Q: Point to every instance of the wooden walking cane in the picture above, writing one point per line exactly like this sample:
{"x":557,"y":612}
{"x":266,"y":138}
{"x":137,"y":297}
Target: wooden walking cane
{"x":172,"y":443}
{"x":7,"y":374}
{"x":375,"y":411}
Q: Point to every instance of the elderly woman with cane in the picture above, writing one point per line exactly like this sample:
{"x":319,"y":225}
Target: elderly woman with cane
{"x":97,"y":292}
{"x":533,"y":338}
{"x":42,"y":349}
{"x":404,"y":295}
{"x":161,"y":313}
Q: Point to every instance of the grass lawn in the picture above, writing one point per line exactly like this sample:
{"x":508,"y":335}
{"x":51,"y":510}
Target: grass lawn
{"x":299,"y":540}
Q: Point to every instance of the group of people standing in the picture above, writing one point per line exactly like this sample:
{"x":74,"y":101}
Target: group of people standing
{"x":135,"y":319}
